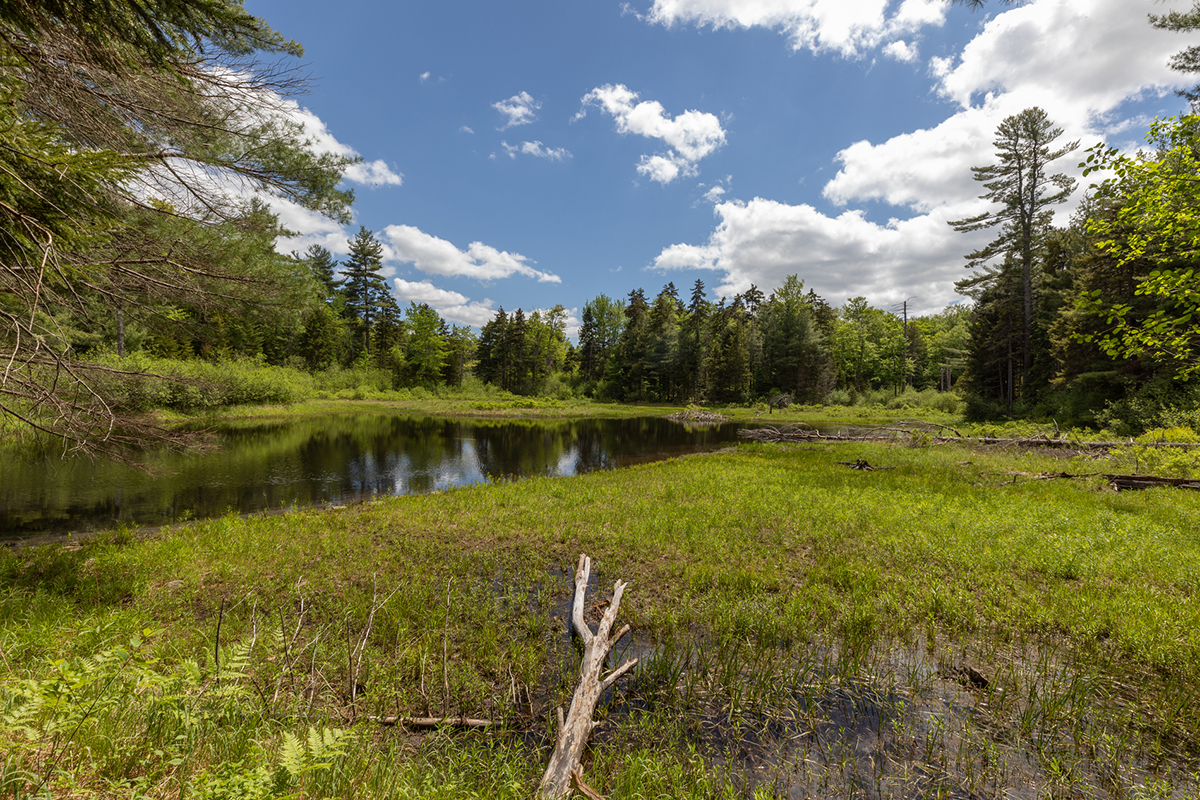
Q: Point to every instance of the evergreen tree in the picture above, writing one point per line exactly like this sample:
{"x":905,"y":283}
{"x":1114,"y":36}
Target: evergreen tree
{"x":694,"y":343}
{"x":322,"y":266}
{"x":319,"y":339}
{"x":735,"y":346}
{"x":626,"y":376}
{"x":365,"y":289}
{"x":994,"y":354}
{"x":661,"y":360}
{"x":794,"y":357}
{"x":95,"y":94}
{"x":490,"y":352}
{"x":515,"y":355}
{"x":1020,"y":181}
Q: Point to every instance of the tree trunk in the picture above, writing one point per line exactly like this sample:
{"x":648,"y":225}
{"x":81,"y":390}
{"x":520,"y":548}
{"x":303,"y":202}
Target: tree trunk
{"x":120,"y":330}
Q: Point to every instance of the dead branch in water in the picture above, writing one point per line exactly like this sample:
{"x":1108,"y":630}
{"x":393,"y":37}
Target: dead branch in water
{"x":698,"y":415}
{"x":574,"y":730}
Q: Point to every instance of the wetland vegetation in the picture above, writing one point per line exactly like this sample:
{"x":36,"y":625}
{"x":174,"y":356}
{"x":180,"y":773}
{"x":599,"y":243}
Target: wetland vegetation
{"x":945,"y":628}
{"x":952,"y":625}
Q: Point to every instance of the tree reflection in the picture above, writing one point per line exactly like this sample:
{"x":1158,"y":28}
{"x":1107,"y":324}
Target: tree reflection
{"x":333,"y":459}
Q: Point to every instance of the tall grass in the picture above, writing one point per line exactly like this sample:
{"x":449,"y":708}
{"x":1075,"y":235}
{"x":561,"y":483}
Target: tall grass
{"x":946,"y":627}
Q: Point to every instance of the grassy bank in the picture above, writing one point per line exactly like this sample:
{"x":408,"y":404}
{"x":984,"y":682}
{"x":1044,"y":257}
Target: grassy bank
{"x":942,"y":628}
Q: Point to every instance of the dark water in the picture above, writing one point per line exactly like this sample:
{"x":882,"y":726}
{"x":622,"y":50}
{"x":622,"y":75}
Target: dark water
{"x":335,"y":459}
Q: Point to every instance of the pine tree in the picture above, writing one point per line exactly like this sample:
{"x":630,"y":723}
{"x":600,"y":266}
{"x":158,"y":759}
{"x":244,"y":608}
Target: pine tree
{"x":490,"y":351}
{"x":365,"y":288}
{"x":1021,"y":183}
{"x":322,"y":265}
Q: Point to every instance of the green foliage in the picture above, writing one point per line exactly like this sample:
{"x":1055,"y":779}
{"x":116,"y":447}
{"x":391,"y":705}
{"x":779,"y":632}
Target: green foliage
{"x":200,"y":385}
{"x":1154,"y":196}
{"x":767,"y":602}
{"x":99,"y":229}
{"x":121,"y":713}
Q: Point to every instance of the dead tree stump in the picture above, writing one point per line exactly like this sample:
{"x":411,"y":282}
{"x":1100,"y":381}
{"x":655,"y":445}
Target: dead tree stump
{"x":573,"y":732}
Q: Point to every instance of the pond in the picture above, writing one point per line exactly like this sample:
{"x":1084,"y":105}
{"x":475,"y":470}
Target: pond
{"x":335,"y":459}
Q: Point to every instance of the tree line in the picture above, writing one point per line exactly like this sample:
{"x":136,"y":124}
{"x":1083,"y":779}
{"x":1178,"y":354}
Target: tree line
{"x":137,"y":219}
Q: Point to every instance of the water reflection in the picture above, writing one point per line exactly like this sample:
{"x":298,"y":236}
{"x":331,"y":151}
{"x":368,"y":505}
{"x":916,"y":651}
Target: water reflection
{"x":335,"y":459}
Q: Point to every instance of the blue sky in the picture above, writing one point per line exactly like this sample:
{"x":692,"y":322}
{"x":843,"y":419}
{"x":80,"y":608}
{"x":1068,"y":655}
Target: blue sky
{"x":546,"y":151}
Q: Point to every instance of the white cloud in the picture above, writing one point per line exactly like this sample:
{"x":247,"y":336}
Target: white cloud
{"x":664,"y":169}
{"x":901,"y":51}
{"x":690,"y":136}
{"x":424,"y":76}
{"x":763,"y":241}
{"x":406,"y":244}
{"x":1079,"y":60}
{"x":465,"y":129}
{"x":847,"y":28}
{"x":453,"y":307}
{"x":715,"y":194}
{"x":518,"y":109}
{"x":372,"y":173}
{"x":536,"y":149}
{"x":310,"y":228}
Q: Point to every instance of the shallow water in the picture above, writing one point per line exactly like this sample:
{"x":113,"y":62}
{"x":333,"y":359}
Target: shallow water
{"x":335,"y":459}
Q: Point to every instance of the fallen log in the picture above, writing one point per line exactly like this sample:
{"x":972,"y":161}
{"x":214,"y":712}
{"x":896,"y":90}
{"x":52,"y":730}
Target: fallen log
{"x":861,"y":464}
{"x":1118,"y":482}
{"x":433,"y":722}
{"x":698,"y":415}
{"x":574,"y":730}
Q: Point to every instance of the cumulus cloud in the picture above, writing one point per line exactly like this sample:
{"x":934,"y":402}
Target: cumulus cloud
{"x":690,"y":136}
{"x":901,"y":51}
{"x":763,"y":241}
{"x":406,"y":244}
{"x":452,"y":306}
{"x":1079,"y":60}
{"x":369,"y":173}
{"x":424,"y":76}
{"x":465,"y":129}
{"x":536,"y":149}
{"x":846,"y":28}
{"x":518,"y":110}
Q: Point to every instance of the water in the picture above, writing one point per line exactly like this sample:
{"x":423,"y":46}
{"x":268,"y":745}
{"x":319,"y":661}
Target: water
{"x":335,"y":459}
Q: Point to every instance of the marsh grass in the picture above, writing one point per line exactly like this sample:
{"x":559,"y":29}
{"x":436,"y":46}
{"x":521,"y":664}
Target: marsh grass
{"x":805,"y":629}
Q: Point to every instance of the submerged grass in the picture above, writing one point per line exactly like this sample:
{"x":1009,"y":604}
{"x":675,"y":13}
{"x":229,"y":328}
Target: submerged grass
{"x":937,"y":629}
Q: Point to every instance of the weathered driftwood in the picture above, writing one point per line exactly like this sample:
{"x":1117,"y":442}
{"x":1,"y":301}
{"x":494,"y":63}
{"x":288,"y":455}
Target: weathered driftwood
{"x":574,"y":730}
{"x":698,"y":415}
{"x":434,"y":722}
{"x":1118,"y":482}
{"x":861,"y":464}
{"x":583,"y":788}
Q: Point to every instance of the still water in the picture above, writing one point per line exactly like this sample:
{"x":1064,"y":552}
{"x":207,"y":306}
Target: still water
{"x":335,"y":459}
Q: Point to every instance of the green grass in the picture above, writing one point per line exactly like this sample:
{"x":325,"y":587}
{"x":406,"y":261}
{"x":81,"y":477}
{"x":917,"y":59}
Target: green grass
{"x":793,"y":615}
